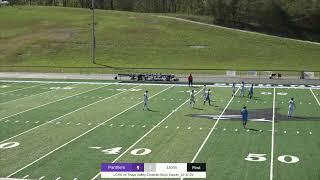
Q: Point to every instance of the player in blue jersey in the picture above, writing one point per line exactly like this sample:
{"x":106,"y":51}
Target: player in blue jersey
{"x":244,"y":114}
{"x":251,"y":92}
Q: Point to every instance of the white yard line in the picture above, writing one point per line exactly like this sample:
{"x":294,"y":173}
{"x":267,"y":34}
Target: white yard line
{"x":22,"y":89}
{"x":49,"y":103}
{"x":10,"y":82}
{"x":85,"y":133}
{"x":154,"y":84}
{"x":175,"y":110}
{"x":315,"y":96}
{"x":66,"y":114}
{"x":213,"y":127}
{"x":28,"y":96}
{"x":272,"y":136}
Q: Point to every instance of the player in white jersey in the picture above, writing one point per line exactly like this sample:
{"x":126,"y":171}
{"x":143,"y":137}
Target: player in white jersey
{"x":204,"y":90}
{"x":292,"y":107}
{"x":233,"y":89}
{"x":207,"y":97}
{"x":192,"y":98}
{"x":145,"y":101}
{"x":242,"y":89}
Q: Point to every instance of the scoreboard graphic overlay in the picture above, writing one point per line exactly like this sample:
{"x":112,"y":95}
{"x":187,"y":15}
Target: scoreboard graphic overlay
{"x":153,"y":170}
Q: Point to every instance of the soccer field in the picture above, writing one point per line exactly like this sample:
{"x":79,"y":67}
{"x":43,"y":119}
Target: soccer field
{"x":65,"y":130}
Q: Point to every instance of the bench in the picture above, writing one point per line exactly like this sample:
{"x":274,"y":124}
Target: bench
{"x":150,"y":77}
{"x":273,"y":76}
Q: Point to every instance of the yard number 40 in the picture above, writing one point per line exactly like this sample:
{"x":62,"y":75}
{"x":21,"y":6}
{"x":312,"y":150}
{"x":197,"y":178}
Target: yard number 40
{"x":261,"y":157}
{"x":117,"y":150}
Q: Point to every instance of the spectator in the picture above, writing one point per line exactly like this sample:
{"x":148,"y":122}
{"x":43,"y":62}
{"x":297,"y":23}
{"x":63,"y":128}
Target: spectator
{"x":190,"y":79}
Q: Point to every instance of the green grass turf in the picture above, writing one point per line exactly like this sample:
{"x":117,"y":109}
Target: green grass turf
{"x":25,"y":105}
{"x":224,"y":152}
{"x":56,"y":110}
{"x":51,"y":36}
{"x":12,"y":87}
{"x":303,"y":145}
{"x":23,"y":93}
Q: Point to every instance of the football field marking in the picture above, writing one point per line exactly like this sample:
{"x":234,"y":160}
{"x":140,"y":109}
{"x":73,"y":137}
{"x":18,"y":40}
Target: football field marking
{"x":154,"y":127}
{"x":213,"y":127}
{"x":65,"y":115}
{"x":27,"y":97}
{"x":24,"y":177}
{"x":21,"y":89}
{"x":159,"y":84}
{"x":50,"y":103}
{"x":315,"y":96}
{"x":272,"y":134}
{"x":90,"y":130}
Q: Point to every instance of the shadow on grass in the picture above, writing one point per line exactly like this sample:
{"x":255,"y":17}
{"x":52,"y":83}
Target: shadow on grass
{"x":252,"y":129}
{"x":200,"y":109}
{"x":150,"y":110}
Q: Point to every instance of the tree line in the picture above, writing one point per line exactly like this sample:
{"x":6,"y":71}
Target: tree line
{"x":289,"y":18}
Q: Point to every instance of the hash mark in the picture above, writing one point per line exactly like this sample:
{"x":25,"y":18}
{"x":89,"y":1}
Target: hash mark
{"x":25,"y":176}
{"x":95,"y":147}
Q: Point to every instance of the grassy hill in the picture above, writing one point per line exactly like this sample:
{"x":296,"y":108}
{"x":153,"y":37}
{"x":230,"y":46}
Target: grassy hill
{"x":51,"y":36}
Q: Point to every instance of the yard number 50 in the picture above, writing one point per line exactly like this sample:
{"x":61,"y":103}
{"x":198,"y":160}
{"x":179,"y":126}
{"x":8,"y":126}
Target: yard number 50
{"x":261,"y":157}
